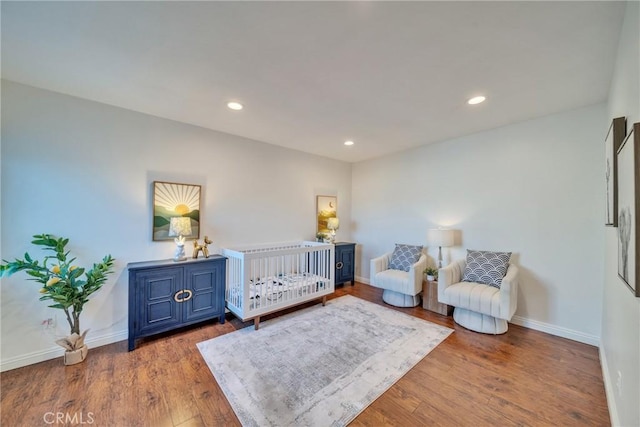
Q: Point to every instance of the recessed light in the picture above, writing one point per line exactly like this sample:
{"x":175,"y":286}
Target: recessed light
{"x":476,"y":100}
{"x":348,"y":143}
{"x":234,"y":105}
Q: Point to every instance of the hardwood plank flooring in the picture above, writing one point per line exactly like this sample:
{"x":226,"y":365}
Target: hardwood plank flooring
{"x":522,"y":378}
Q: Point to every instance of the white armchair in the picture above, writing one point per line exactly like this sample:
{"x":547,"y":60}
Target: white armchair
{"x":479,"y":307}
{"x":401,"y":288}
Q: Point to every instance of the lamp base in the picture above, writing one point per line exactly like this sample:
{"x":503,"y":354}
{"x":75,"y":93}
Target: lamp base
{"x":179,"y":255}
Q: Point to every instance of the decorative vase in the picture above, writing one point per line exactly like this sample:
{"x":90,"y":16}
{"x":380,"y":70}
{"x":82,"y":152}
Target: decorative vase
{"x":75,"y":348}
{"x":430,"y":278}
{"x":71,"y":357}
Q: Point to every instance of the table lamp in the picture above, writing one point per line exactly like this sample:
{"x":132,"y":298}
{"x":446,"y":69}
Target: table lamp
{"x":179,"y":227}
{"x":333,"y":224}
{"x":440,"y":237}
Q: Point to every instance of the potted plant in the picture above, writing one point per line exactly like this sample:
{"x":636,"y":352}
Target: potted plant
{"x":432,"y":273}
{"x":323,"y":238}
{"x":63,"y":284}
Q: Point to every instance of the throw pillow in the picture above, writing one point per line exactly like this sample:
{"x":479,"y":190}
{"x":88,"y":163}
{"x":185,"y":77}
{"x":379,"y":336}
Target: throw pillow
{"x":404,"y":256}
{"x":486,"y":267}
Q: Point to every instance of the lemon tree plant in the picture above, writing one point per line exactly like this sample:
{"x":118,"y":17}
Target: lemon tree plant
{"x":62,"y":282}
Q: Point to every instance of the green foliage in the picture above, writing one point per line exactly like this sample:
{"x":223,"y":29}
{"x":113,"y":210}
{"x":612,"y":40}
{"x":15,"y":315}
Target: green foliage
{"x":431,"y":271}
{"x":62,"y":282}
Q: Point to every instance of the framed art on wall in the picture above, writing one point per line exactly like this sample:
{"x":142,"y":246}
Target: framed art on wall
{"x":615,"y":135}
{"x":326,"y":207}
{"x":628,"y":209}
{"x":176,"y":210}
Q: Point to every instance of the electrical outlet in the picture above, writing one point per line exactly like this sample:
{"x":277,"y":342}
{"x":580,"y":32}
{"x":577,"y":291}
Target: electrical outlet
{"x":619,"y":383}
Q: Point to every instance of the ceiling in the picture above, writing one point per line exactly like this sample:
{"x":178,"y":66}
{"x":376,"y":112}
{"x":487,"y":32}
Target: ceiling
{"x":387,"y":75}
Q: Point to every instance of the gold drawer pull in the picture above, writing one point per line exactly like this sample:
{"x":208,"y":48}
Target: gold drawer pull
{"x":177,"y":298}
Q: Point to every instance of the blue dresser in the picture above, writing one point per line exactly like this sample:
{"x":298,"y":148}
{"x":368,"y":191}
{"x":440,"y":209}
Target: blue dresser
{"x":165,"y":295}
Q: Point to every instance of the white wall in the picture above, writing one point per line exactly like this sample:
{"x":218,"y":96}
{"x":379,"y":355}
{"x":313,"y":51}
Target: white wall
{"x":620,"y":348}
{"x":533,"y":188}
{"x":84,"y":170}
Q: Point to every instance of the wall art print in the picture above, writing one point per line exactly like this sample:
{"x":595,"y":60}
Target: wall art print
{"x":326,"y":207}
{"x":176,"y":210}
{"x":615,"y":136}
{"x":628,"y":209}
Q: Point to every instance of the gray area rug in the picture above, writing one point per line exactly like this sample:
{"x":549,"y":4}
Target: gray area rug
{"x":320,"y":366}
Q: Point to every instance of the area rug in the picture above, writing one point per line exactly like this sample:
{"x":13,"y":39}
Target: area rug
{"x":320,"y":366}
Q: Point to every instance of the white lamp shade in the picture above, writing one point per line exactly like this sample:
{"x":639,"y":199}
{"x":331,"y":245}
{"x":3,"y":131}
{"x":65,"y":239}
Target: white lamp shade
{"x":180,"y":226}
{"x":440,"y":237}
{"x":333,"y":223}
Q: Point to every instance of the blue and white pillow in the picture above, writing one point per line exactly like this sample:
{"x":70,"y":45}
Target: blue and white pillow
{"x":486,"y":267}
{"x":404,"y":256}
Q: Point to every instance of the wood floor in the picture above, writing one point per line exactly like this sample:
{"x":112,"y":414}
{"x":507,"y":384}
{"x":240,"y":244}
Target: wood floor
{"x":524,"y":378}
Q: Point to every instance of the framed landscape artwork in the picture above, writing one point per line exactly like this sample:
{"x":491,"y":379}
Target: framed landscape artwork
{"x":628,"y":209}
{"x":326,"y":207}
{"x":615,"y":135}
{"x":176,"y":211}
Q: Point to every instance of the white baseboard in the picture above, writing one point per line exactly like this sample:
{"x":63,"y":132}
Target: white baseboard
{"x":57,"y":351}
{"x":362,"y":280}
{"x":541,"y":326}
{"x":609,"y":389}
{"x":558,"y":331}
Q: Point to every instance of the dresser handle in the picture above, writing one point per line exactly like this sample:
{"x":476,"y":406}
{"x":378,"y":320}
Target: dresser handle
{"x":175,"y":297}
{"x":339,"y":265}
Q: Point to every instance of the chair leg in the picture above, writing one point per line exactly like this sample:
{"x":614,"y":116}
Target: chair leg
{"x":479,"y":322}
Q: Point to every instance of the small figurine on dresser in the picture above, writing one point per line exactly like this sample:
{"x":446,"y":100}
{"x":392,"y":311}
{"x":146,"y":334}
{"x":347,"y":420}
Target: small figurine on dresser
{"x":197,"y":248}
{"x":179,"y":253}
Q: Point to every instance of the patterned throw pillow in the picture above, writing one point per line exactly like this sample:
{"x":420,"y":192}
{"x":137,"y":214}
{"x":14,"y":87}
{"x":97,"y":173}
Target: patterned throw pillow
{"x":404,"y":256}
{"x":486,"y":267}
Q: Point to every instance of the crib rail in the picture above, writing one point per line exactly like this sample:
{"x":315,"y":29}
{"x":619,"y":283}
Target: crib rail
{"x":265,"y":278}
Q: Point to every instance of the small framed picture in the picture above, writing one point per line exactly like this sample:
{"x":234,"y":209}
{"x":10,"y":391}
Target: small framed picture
{"x":176,"y":211}
{"x":615,"y":135}
{"x":326,"y":207}
{"x":628,"y":209}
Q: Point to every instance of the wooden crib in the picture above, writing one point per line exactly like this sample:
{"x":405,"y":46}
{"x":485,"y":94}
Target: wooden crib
{"x":263,"y":279}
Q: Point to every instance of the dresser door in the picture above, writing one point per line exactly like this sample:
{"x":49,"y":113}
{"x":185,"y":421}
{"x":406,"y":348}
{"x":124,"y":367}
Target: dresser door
{"x":158,"y":290}
{"x":345,"y":258}
{"x":204,"y":287}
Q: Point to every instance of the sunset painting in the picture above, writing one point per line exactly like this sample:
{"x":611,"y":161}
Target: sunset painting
{"x":172,"y":200}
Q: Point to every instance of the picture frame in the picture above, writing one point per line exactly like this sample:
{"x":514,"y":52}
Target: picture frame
{"x":628,"y":209}
{"x":326,"y":207}
{"x":176,"y":211}
{"x":615,"y":136}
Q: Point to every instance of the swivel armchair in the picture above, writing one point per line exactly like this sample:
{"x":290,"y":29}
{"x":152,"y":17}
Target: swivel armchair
{"x":400,"y":275}
{"x":481,"y":307}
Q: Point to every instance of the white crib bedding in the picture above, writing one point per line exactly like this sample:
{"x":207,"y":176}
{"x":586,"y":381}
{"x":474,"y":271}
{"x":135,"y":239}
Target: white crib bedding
{"x":274,"y":288}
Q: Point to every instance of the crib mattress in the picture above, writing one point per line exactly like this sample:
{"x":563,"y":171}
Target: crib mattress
{"x":270,"y":290}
